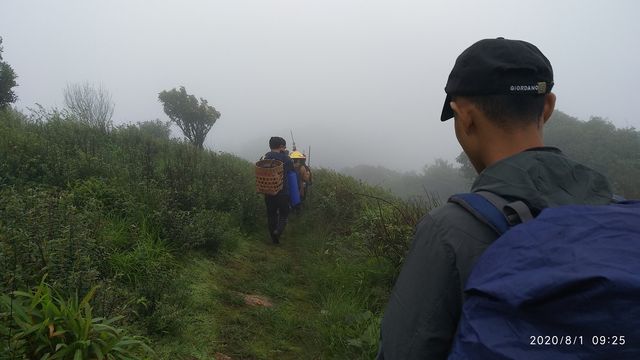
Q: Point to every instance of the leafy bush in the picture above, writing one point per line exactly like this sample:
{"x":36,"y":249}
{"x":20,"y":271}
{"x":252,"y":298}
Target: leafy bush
{"x":387,"y":227}
{"x":114,"y":209}
{"x":42,"y":324}
{"x":384,"y":225}
{"x":42,"y":232}
{"x":338,"y":200}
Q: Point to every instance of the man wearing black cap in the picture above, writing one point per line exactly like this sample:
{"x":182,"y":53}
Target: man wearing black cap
{"x":499,"y":94}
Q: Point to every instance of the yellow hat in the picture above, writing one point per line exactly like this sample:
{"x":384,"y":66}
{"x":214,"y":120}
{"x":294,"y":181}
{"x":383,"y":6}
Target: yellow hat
{"x":297,"y":155}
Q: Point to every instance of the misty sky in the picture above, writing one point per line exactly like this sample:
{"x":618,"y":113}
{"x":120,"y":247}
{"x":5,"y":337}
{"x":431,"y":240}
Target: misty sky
{"x":358,"y":81}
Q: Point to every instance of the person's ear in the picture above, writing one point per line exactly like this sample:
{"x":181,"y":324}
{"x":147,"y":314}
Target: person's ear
{"x":463,"y":116}
{"x":466,"y":117}
{"x":549,"y":105}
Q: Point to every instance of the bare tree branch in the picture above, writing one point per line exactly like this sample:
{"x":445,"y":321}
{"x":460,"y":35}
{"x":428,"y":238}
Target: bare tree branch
{"x":89,"y":104}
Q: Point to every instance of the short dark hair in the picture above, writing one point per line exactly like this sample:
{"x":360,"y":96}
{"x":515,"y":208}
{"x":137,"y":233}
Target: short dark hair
{"x":276,"y":141}
{"x":510,"y":110}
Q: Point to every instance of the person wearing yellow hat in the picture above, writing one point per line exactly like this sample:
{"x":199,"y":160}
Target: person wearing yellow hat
{"x":302,"y":170}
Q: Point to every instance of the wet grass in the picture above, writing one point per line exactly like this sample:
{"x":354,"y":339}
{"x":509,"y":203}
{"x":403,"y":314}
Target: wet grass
{"x":325,"y":305}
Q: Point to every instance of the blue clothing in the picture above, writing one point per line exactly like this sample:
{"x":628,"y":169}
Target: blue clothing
{"x":570,"y":273}
{"x":288,"y":165}
{"x":426,"y":303}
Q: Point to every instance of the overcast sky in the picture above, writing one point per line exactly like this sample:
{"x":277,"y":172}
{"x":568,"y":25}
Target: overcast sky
{"x":358,"y":81}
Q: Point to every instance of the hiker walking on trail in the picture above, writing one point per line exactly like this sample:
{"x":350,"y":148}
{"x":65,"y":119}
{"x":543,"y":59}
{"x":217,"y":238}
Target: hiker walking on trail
{"x":278,"y":204}
{"x":499,"y":94}
{"x":303,"y":172}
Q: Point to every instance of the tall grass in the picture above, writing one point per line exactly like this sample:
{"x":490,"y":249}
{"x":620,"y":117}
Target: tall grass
{"x":120,"y":211}
{"x":116,"y":210}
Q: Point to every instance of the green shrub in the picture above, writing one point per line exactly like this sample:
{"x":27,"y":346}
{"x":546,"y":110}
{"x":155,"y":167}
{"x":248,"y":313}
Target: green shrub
{"x":387,"y":227}
{"x":90,"y":208}
{"x":209,"y":230}
{"x":337,"y":200}
{"x":42,"y":324}
{"x":42,"y":232}
{"x":98,"y":194}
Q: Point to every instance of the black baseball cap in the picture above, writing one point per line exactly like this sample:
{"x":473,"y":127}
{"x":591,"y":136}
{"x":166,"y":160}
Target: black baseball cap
{"x":498,"y":67}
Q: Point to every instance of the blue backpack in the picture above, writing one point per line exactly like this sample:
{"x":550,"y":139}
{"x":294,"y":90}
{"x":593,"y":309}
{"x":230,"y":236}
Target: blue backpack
{"x":562,"y":285}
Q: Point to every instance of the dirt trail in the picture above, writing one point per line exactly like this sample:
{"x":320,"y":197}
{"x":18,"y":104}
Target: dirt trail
{"x":252,"y":303}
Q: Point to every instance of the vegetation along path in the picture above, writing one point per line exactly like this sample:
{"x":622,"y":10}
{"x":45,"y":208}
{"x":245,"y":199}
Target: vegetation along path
{"x":173,"y":238}
{"x":296,"y":300}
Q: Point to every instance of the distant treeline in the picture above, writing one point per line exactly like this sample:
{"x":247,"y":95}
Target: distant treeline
{"x":440,"y":179}
{"x":597,"y":143}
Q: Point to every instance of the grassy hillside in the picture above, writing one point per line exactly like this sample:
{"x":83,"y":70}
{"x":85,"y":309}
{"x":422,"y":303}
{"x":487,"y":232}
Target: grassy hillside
{"x":171,"y":236}
{"x":169,"y":242}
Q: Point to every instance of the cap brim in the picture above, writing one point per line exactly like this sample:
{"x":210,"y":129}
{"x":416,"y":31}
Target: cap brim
{"x":447,"y":111}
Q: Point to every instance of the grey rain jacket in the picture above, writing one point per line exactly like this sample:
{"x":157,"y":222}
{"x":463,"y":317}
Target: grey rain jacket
{"x":424,"y":308}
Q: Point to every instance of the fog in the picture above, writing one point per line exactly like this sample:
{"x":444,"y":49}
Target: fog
{"x":360,"y":82}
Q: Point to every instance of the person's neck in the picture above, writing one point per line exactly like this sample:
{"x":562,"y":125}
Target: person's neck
{"x":508,"y":144}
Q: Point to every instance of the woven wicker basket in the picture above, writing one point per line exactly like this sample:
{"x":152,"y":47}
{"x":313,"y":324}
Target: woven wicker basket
{"x":269,"y":176}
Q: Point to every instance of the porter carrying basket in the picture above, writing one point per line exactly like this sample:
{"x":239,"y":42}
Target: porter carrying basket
{"x":269,"y":176}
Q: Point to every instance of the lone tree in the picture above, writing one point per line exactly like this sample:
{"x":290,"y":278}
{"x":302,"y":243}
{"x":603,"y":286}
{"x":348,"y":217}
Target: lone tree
{"x":7,"y":82}
{"x":193,"y":118}
{"x":91,"y":105}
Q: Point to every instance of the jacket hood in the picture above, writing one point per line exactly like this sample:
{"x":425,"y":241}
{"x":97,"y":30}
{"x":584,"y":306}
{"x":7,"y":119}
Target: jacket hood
{"x":544,"y":177}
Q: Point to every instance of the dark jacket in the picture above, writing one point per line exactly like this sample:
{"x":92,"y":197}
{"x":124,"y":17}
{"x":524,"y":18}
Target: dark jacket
{"x":288,"y":165}
{"x":423,"y":311}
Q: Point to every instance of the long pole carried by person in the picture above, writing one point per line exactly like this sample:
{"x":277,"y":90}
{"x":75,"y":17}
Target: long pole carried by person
{"x":293,"y":141}
{"x":309,"y":165}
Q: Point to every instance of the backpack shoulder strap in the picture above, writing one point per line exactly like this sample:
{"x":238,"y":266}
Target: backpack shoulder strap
{"x":483,"y":210}
{"x":493,"y":210}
